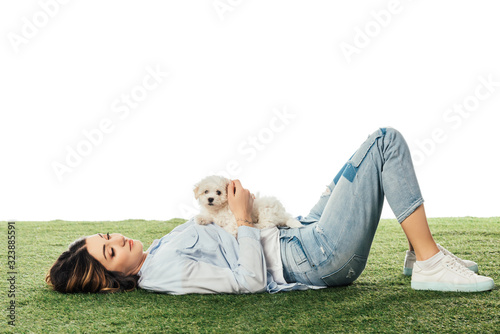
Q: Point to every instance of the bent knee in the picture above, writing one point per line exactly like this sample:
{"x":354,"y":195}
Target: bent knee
{"x":391,"y":133}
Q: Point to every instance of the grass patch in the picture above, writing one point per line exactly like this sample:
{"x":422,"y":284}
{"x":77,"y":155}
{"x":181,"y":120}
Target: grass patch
{"x":381,"y":300}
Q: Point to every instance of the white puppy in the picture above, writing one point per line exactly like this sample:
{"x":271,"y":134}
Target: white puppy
{"x":211,"y":193}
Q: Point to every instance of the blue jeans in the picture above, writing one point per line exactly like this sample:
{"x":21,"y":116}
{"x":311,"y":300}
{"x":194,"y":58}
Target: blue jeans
{"x":332,"y":247}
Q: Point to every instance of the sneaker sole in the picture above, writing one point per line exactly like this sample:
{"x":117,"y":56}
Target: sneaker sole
{"x":408,"y":271}
{"x":437,"y":286}
{"x":474,"y":268}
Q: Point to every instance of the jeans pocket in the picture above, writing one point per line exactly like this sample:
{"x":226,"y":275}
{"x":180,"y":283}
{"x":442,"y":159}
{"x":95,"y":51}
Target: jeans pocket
{"x":297,"y":252}
{"x":318,"y":247}
{"x":348,"y":273}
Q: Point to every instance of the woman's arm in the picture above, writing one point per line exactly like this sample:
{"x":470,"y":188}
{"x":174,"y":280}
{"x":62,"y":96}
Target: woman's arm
{"x":250,"y":275}
{"x":240,"y":202}
{"x":186,"y":273}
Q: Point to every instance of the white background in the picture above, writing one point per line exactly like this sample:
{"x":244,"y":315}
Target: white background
{"x":228,"y":73}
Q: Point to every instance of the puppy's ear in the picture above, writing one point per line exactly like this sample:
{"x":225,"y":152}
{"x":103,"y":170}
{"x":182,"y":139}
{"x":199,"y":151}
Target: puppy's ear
{"x":196,"y":189}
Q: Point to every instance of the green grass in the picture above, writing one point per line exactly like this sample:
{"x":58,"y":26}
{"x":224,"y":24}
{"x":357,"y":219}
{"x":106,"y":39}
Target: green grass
{"x":381,"y":300}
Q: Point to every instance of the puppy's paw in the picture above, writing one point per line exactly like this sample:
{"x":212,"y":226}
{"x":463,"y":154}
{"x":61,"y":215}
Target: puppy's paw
{"x":202,"y":220}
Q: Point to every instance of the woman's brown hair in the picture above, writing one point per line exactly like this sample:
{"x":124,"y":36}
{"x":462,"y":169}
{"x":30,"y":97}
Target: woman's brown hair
{"x":77,"y":271}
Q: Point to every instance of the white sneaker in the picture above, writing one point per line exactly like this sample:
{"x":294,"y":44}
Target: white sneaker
{"x":410,"y":259}
{"x":449,"y":275}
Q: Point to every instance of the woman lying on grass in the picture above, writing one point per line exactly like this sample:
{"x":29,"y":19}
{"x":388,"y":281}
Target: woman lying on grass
{"x":331,"y":249}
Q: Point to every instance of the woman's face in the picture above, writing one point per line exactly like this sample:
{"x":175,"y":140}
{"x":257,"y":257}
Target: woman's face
{"x":116,"y":252}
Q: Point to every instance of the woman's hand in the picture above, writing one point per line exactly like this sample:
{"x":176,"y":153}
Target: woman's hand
{"x":240,"y":202}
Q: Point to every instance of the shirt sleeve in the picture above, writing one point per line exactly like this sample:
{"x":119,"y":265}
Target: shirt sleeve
{"x":249,"y":276}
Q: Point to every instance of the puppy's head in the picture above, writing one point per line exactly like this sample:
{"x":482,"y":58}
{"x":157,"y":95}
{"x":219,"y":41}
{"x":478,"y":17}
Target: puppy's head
{"x":211,"y":192}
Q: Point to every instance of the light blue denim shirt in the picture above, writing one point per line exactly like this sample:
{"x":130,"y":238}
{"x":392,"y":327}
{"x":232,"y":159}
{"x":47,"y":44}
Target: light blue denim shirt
{"x":206,"y":259}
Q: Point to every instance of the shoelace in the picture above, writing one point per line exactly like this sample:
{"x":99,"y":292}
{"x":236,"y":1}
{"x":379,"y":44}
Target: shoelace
{"x":447,"y":252}
{"x":451,"y":263}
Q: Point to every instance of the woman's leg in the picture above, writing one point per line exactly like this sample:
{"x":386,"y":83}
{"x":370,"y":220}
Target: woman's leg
{"x":381,"y":166}
{"x":345,"y":219}
{"x":418,"y":233}
{"x":333,"y":249}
